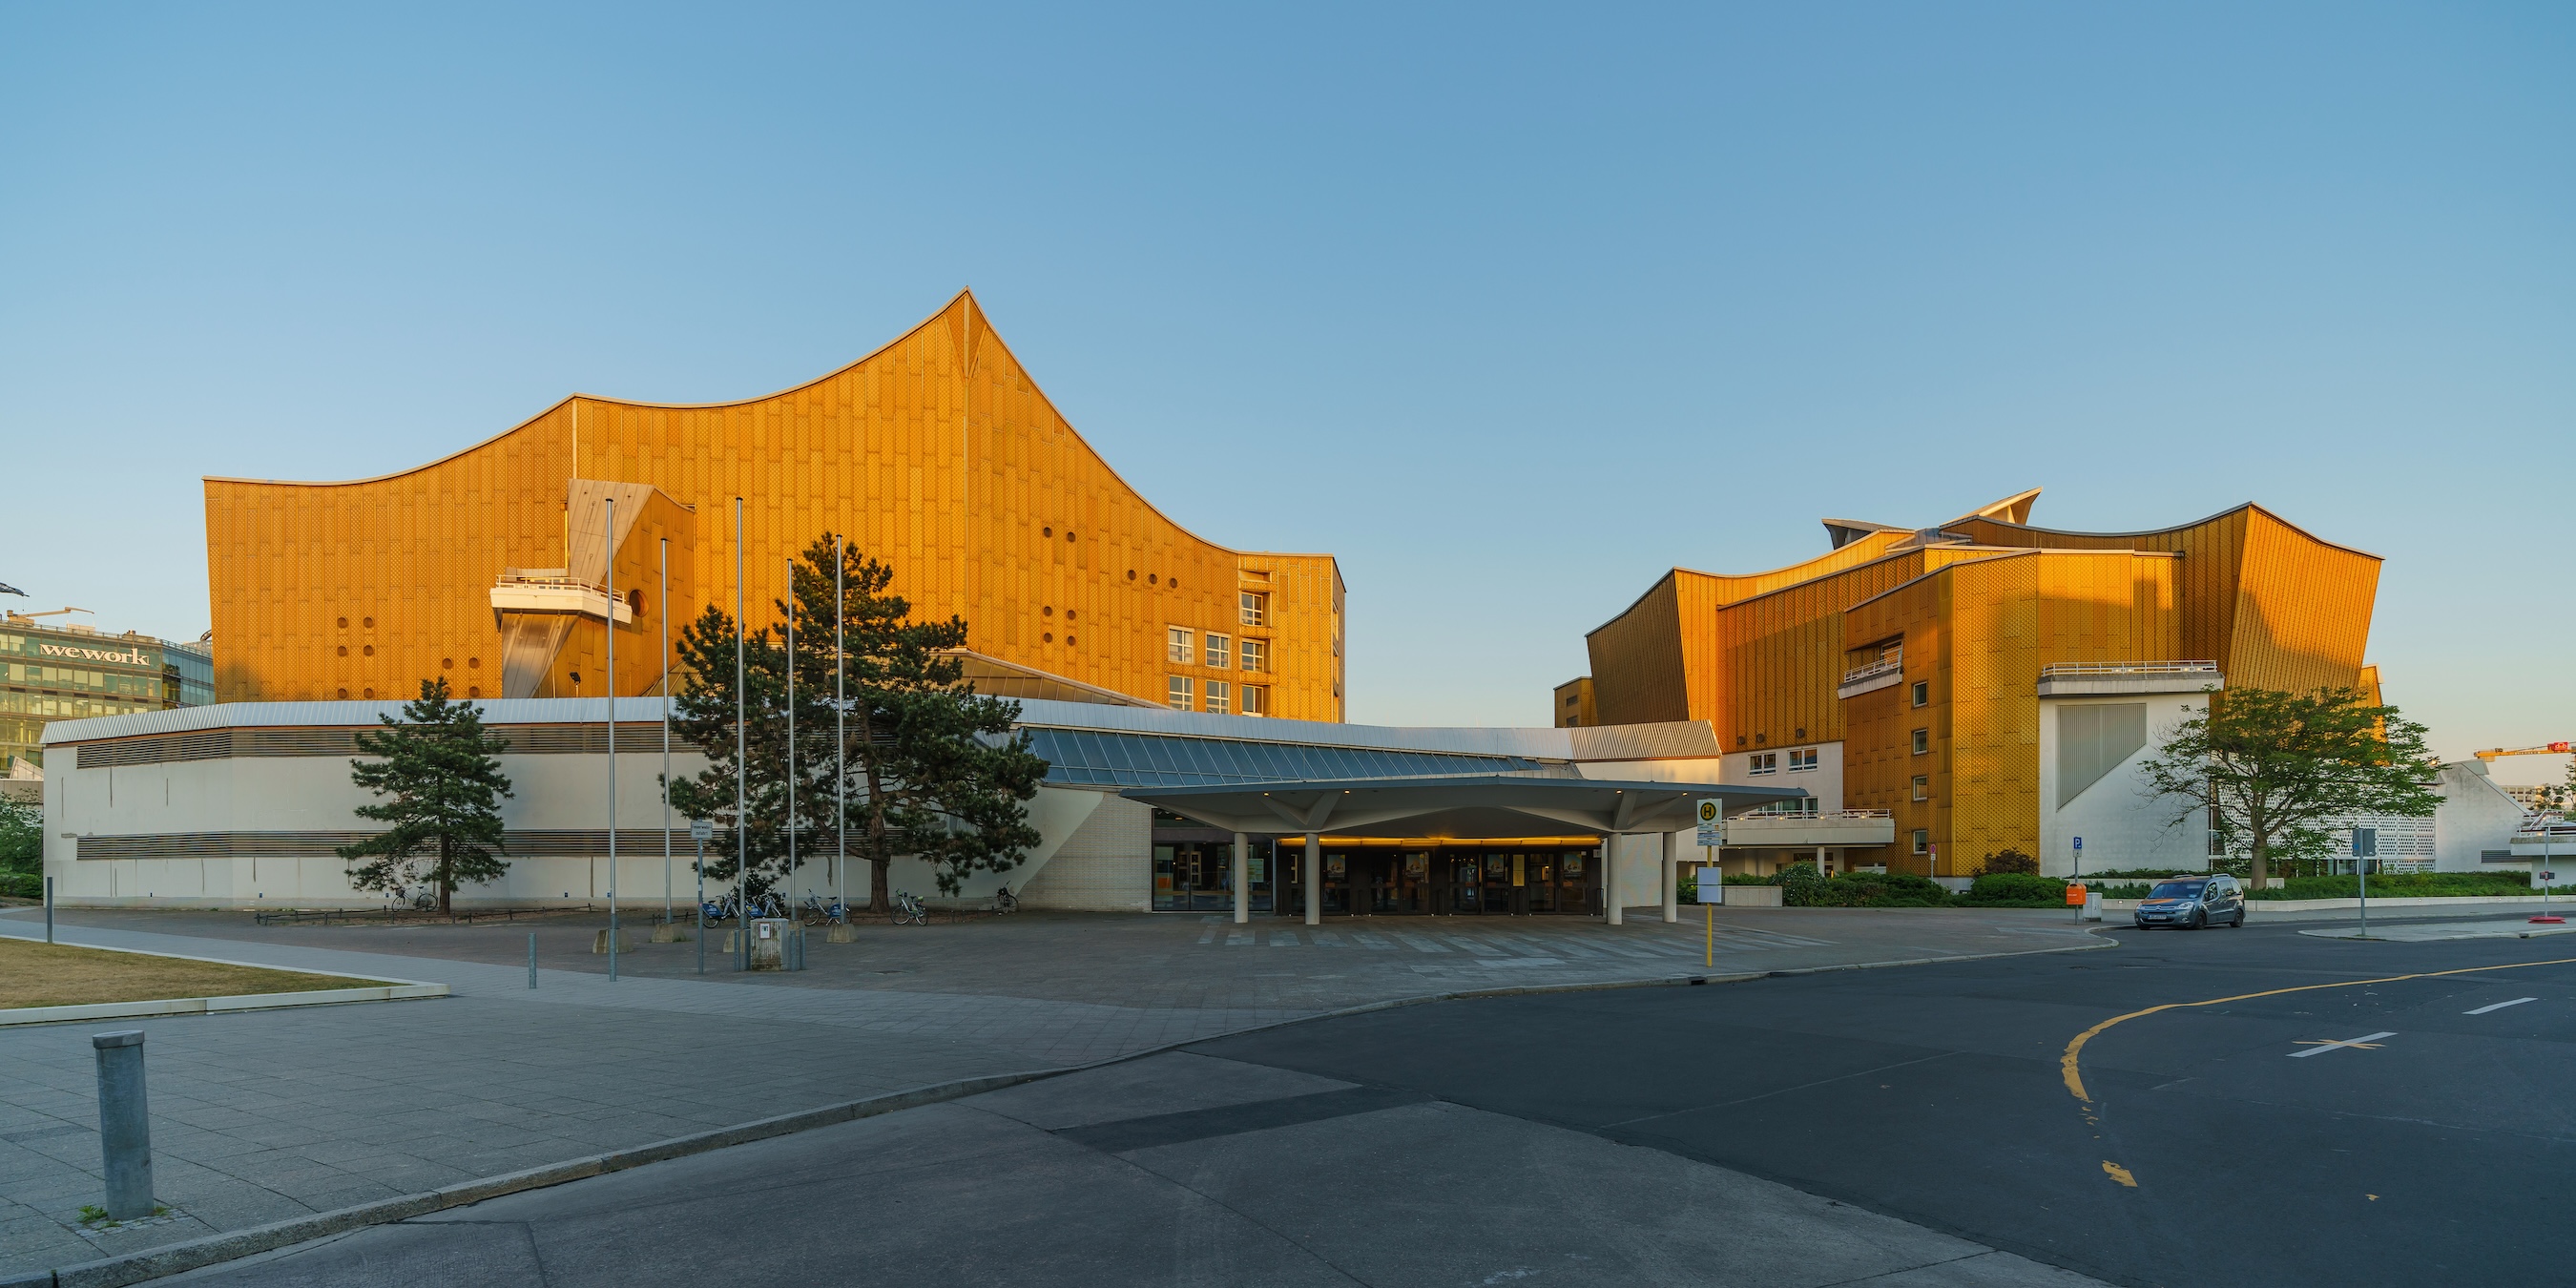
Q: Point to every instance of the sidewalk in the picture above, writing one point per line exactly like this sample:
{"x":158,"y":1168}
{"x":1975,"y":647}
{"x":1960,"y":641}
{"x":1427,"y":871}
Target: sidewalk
{"x":263,"y":1115}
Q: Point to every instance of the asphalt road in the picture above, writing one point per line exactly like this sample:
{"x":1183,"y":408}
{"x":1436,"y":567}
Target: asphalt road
{"x":2445,"y":1151}
{"x":1910,"y":1126}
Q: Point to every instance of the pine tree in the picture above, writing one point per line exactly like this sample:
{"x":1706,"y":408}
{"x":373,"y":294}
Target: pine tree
{"x":436,"y":763}
{"x":2273,"y":772}
{"x":934,"y":769}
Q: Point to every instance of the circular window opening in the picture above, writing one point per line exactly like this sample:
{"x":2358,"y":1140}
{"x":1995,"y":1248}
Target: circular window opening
{"x":1151,"y":579}
{"x":1068,"y":614}
{"x":473,"y":664}
{"x":1049,"y":611}
{"x":1068,"y":534}
{"x":1048,"y":638}
{"x":447,"y":664}
{"x":1068,"y":641}
{"x":1131,"y":574}
{"x":369,"y":650}
{"x":371,"y":693}
{"x":344,"y":693}
{"x":1046,"y":532}
{"x":473,"y":692}
{"x":344,"y":625}
{"x":369,"y":623}
{"x":344,"y":650}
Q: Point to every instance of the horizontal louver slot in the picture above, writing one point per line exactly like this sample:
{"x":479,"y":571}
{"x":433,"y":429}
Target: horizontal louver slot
{"x":530,"y":844}
{"x":524,"y":740}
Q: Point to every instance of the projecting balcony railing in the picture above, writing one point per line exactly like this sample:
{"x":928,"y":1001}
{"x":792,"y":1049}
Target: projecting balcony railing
{"x":2078,"y":678}
{"x":2069,"y":669}
{"x":1887,"y":670}
{"x":554,"y":590}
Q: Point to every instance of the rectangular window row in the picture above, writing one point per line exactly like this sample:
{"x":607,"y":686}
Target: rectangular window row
{"x":1183,"y":646}
{"x":1800,"y":759}
{"x":1185,"y":691}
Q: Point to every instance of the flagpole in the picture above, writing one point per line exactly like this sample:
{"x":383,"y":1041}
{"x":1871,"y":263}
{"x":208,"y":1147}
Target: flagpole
{"x":741,"y":766}
{"x":840,"y":739}
{"x":608,"y":578}
{"x":791,"y":734}
{"x":665,"y":597}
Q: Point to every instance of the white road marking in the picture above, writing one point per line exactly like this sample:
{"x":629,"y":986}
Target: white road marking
{"x":2319,"y":1046}
{"x":1283,"y":939}
{"x":2500,"y":1006}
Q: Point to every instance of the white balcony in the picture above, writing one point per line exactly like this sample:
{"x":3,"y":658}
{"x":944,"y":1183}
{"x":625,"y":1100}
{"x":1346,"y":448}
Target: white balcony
{"x":1880,"y":674}
{"x":1844,"y":828}
{"x":553,"y":591}
{"x":2077,"y":679}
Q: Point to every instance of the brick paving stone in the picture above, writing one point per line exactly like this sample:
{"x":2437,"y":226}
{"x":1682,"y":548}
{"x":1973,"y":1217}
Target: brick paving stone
{"x":265,"y":1114}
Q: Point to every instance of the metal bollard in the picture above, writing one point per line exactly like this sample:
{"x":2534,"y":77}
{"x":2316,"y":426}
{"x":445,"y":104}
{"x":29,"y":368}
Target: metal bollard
{"x":49,"y":910}
{"x":532,"y":959}
{"x":124,"y":1124}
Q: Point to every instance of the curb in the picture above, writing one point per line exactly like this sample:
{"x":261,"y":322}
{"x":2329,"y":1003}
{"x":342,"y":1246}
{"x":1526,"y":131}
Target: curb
{"x":195,"y":1254}
{"x":214,"y":1006}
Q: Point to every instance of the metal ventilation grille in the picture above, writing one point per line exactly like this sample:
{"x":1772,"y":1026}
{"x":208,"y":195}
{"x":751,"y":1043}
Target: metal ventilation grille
{"x":531,"y":844}
{"x":633,"y":737}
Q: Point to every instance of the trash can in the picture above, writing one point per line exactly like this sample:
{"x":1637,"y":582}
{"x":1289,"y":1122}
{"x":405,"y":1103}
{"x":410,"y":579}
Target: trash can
{"x":2092,"y":905}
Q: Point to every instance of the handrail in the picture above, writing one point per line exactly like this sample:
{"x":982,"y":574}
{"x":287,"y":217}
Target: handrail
{"x":1820,"y":814}
{"x":1877,"y":668}
{"x":2057,"y":669}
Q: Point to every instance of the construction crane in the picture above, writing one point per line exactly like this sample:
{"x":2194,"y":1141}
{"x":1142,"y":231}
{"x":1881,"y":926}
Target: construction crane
{"x":2545,"y":749}
{"x":15,"y":615}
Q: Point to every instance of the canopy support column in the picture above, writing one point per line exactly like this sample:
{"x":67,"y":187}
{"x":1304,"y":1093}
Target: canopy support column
{"x":1314,"y":879}
{"x":1610,"y":879}
{"x":1242,"y":884}
{"x":1672,"y":877}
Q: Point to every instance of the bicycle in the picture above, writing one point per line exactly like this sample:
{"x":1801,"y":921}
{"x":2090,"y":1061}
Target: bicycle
{"x":909,"y":909}
{"x":1005,"y":902}
{"x":816,"y":912}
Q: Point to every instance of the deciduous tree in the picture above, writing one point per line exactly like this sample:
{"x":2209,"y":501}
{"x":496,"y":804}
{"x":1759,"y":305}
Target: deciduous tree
{"x":2272,"y":772}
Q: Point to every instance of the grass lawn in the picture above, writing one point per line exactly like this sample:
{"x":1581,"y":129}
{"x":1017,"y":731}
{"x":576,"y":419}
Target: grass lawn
{"x":34,"y":974}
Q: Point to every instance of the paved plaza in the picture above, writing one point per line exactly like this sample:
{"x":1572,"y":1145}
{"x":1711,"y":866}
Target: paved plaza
{"x":266,"y":1115}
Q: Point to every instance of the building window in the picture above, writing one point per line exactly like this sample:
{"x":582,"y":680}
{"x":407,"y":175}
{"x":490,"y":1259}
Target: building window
{"x":1181,"y":693}
{"x":1922,"y":693}
{"x":1219,"y":698}
{"x":1922,"y":787}
{"x":1802,"y":758}
{"x":1256,"y":609}
{"x":1765,"y":762}
{"x":1220,"y":650}
{"x":1256,"y":699}
{"x":1178,"y":650}
{"x":1922,"y":742}
{"x":1256,"y":655}
{"x":1922,"y":840}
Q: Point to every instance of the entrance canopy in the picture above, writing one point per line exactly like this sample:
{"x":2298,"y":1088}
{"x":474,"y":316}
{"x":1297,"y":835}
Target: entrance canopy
{"x":1466,"y":807}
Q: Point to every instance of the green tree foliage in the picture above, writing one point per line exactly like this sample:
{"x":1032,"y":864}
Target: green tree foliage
{"x":2272,"y":771}
{"x":2008,"y":860}
{"x":436,"y":764}
{"x":22,"y":837}
{"x":933,"y":770}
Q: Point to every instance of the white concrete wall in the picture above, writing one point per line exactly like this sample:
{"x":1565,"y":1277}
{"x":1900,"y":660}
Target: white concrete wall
{"x":2476,"y":815}
{"x":2123,"y":827}
{"x":1824,"y":782}
{"x":1103,"y":843}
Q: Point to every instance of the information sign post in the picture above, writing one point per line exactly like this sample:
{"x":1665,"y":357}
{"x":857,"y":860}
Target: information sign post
{"x":1711,"y":884}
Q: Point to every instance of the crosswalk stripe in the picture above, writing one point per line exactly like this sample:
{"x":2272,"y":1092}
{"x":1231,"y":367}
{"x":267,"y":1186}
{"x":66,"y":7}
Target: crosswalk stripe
{"x":1421,"y":944}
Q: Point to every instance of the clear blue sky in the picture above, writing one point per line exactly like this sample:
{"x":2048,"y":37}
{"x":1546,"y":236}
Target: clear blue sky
{"x":1510,"y":308}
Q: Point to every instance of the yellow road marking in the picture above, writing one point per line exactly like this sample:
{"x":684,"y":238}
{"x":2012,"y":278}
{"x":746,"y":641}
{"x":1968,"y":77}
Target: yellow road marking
{"x":2119,"y":1173}
{"x":2068,"y":1067}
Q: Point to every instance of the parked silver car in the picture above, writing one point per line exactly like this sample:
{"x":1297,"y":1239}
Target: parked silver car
{"x":2193,"y":902}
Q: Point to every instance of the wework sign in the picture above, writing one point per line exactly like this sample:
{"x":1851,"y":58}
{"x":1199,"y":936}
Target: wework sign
{"x":74,"y":652}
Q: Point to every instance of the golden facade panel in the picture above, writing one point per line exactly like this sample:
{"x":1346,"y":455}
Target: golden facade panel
{"x":1972,"y":611}
{"x":936,"y":454}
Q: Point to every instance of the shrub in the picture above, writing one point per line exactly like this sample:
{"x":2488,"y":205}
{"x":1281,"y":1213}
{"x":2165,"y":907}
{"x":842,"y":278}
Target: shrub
{"x":1747,"y":878}
{"x":2402,"y":885}
{"x":2015,"y":890}
{"x":1800,"y":887}
{"x":22,"y":885}
{"x":2009,"y":861}
{"x":1881,"y":890}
